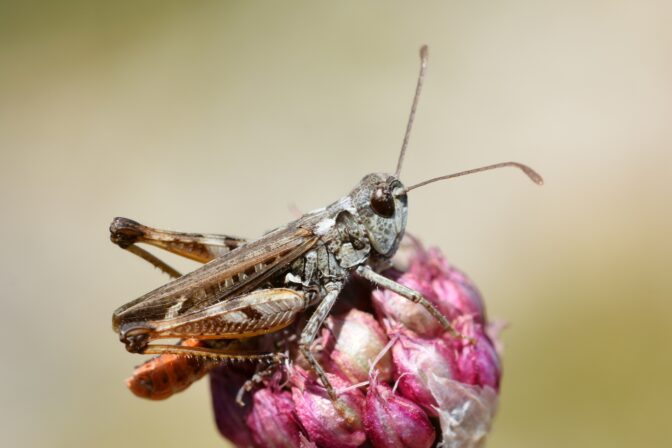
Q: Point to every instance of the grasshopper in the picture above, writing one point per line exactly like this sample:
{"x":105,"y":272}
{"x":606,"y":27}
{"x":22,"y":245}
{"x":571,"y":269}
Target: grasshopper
{"x":250,"y":288}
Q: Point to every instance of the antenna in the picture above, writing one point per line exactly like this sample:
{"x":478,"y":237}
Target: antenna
{"x":424,"y":56}
{"x":533,"y":175}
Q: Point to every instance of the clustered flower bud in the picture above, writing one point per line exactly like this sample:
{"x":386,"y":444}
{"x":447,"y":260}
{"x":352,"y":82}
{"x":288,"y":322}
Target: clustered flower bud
{"x":350,"y":342}
{"x":324,"y":424}
{"x":401,"y":379}
{"x":415,"y":359}
{"x":272,"y":421}
{"x":394,"y":421}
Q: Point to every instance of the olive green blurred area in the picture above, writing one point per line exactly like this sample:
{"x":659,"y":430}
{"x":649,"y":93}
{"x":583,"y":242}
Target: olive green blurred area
{"x":227,"y":116}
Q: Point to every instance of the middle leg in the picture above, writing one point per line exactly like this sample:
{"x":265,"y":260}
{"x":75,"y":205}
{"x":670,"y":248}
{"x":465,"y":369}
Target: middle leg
{"x":311,"y":329}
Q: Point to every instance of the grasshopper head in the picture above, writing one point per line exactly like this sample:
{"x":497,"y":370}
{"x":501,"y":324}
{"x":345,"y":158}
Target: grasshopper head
{"x":382,"y":206}
{"x":381,"y":199}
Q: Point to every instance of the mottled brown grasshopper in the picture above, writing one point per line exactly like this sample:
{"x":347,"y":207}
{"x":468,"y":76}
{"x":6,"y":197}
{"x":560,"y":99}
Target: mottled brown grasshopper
{"x":249,"y":288}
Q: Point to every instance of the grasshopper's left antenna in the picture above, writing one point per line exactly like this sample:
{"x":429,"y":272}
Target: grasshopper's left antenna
{"x":424,"y":56}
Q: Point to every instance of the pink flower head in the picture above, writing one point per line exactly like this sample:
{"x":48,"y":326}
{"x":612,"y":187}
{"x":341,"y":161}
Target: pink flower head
{"x":397,"y":373}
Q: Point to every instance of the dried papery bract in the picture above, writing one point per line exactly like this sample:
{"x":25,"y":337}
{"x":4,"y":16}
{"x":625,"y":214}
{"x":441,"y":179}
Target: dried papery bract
{"x":465,"y":412}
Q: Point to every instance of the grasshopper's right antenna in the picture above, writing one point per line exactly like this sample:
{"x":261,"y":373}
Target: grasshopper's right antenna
{"x":529,"y":172}
{"x":424,"y":55}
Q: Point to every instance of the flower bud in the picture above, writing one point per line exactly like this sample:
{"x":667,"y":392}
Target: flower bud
{"x":477,"y":359}
{"x":225,"y":382}
{"x":392,"y":421}
{"x":451,"y":291}
{"x":323,"y":423}
{"x":456,"y":296}
{"x":352,"y":343}
{"x":272,"y":421}
{"x":415,"y":358}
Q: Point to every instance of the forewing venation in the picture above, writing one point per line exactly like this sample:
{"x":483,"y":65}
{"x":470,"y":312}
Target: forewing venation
{"x":235,"y":273}
{"x":258,"y":312}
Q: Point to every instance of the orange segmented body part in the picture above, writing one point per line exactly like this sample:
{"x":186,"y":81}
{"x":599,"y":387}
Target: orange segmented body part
{"x":161,"y":377}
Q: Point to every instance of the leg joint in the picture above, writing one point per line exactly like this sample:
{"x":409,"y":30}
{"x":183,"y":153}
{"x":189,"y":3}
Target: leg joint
{"x":125,"y":232}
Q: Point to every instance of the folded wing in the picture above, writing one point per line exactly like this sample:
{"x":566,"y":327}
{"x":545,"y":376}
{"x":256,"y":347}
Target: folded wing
{"x":237,"y":272}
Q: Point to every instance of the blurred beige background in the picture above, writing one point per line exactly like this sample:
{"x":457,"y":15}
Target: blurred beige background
{"x":216,"y":116}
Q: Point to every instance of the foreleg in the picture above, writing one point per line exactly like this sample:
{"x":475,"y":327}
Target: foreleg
{"x":410,"y":294}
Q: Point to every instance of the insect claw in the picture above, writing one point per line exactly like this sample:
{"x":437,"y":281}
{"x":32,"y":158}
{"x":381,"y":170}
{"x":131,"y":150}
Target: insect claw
{"x":239,"y":400}
{"x":344,"y":411}
{"x":457,"y":335}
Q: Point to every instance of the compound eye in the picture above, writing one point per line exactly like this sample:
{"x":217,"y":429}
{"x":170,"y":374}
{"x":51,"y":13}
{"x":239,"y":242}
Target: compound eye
{"x":382,"y":202}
